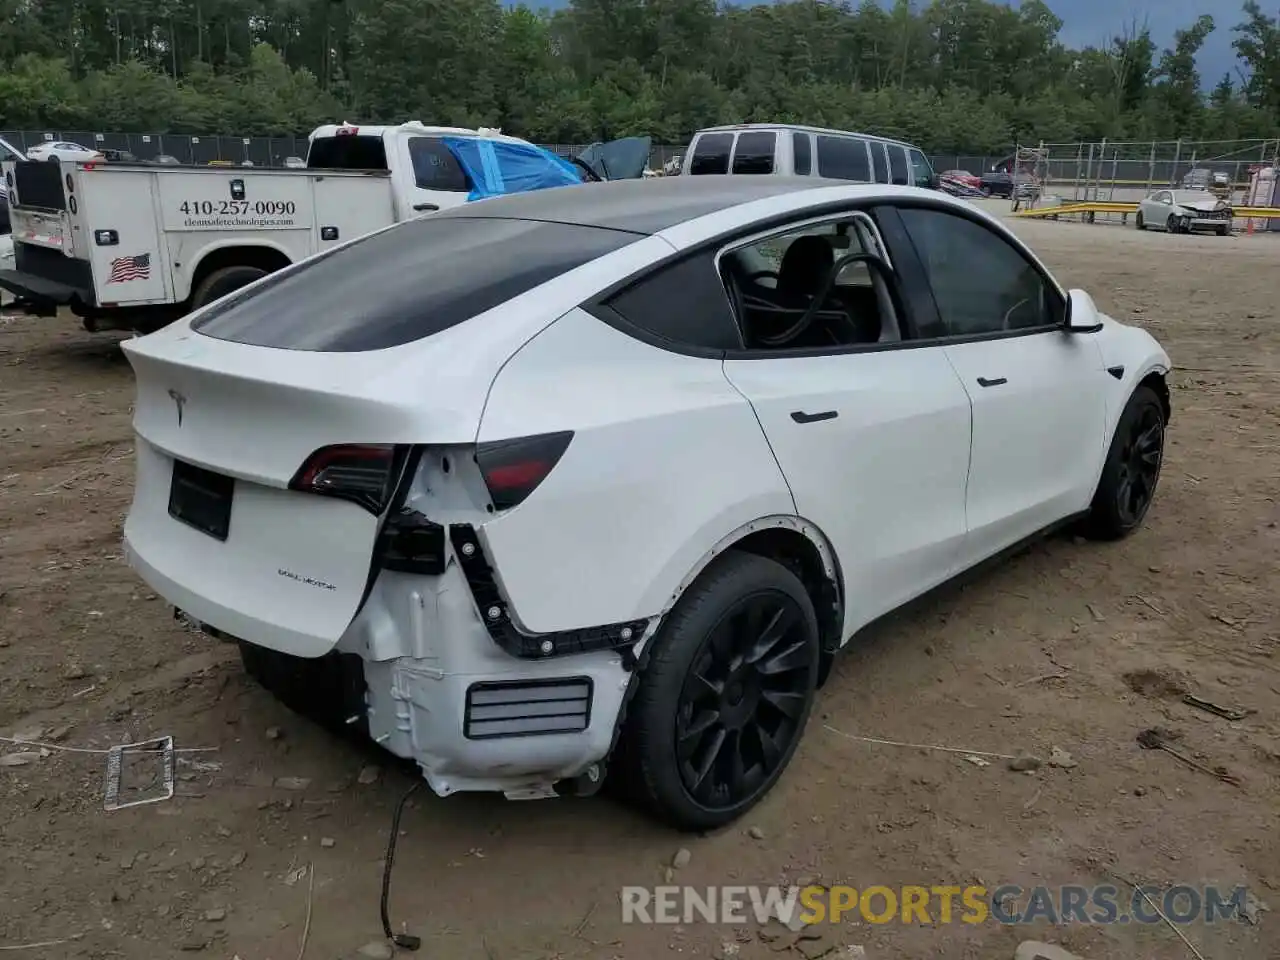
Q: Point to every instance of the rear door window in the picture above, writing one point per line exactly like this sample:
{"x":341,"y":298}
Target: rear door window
{"x":680,"y":304}
{"x":802,"y":154}
{"x":435,"y":167}
{"x":754,"y":152}
{"x":843,"y":158}
{"x":406,"y":283}
{"x":897,"y":164}
{"x":711,"y":154}
{"x":878,"y":163}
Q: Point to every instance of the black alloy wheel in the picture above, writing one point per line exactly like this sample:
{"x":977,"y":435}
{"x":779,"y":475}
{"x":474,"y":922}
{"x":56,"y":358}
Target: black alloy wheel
{"x":1132,"y":469}
{"x":744,"y":700}
{"x":1140,"y":459}
{"x":723,"y":700}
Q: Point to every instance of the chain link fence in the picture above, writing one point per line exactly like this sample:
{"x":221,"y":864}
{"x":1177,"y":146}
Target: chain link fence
{"x":205,"y":148}
{"x":1100,"y":170}
{"x":189,"y":149}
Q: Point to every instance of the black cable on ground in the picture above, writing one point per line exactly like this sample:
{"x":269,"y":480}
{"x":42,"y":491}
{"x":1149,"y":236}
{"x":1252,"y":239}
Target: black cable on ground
{"x":403,"y":940}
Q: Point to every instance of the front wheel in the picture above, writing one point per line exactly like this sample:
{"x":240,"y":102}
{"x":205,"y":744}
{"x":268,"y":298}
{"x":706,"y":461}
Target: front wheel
{"x":1139,"y":222}
{"x":1131,"y":471}
{"x":725,"y":696}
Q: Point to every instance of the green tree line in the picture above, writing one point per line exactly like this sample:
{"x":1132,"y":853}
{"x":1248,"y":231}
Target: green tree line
{"x":950,"y":75}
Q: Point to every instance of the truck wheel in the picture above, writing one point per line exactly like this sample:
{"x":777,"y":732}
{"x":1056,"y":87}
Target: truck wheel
{"x":224,"y":281}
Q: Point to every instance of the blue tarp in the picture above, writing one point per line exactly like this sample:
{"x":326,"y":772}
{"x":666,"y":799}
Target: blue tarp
{"x":497,"y":167}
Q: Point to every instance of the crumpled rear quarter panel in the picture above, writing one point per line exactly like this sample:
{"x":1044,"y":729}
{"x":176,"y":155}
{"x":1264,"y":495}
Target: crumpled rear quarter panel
{"x":666,"y":459}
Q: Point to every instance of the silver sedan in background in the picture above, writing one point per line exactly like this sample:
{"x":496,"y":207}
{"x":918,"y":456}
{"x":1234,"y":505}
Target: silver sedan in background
{"x":1182,"y":211}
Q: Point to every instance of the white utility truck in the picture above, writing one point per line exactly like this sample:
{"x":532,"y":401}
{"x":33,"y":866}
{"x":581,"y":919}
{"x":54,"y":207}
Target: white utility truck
{"x":133,"y":246}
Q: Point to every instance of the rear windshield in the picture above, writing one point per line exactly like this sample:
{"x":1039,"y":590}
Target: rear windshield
{"x":347,"y":153}
{"x":406,"y":283}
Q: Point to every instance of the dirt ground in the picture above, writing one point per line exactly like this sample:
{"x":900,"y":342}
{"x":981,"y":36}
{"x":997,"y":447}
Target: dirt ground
{"x":1072,"y":645}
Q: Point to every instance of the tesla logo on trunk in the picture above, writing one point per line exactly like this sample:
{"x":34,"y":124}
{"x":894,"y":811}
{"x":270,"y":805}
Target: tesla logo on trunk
{"x":180,"y":401}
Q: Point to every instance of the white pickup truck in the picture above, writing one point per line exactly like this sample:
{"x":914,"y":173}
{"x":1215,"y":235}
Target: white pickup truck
{"x":134,"y":246}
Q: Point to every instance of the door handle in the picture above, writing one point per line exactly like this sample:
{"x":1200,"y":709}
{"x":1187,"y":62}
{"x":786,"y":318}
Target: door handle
{"x":420,"y":207}
{"x":984,"y":382}
{"x":799,"y":416}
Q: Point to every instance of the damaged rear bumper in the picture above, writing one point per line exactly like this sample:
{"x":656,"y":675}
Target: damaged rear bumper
{"x":422,"y":674}
{"x":474,"y":717}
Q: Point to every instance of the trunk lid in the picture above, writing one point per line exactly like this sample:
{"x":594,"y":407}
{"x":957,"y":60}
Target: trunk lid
{"x":235,"y":547}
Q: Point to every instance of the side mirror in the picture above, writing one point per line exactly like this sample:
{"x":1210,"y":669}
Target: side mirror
{"x":1082,"y":313}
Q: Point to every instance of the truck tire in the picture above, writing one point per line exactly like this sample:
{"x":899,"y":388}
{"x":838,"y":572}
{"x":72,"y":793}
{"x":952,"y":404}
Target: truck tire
{"x":224,"y":281}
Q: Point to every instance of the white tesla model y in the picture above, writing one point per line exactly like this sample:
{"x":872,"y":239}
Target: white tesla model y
{"x":605,"y":475}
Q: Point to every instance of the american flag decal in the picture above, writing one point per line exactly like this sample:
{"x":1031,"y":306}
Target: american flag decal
{"x":124,"y":269}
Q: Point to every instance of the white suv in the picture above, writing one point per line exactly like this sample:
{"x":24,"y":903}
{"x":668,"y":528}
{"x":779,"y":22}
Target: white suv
{"x":607,"y":473}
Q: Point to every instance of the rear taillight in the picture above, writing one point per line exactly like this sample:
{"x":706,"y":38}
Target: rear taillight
{"x":512,"y":469}
{"x":362,"y":473}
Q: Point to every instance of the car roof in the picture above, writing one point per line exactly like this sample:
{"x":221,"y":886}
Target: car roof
{"x":644,"y":206}
{"x":804,"y":128}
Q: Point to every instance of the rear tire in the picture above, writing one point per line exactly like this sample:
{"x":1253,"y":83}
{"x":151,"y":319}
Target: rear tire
{"x":1131,"y":471}
{"x":725,"y":696}
{"x":224,"y":281}
{"x":327,"y":690}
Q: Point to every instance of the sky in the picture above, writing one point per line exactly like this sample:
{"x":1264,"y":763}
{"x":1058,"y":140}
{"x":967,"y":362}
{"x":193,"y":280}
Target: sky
{"x":1094,"y":22}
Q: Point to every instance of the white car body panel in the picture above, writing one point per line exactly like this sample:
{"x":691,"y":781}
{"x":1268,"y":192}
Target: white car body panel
{"x":675,"y":457}
{"x":900,"y":448}
{"x":1038,"y":439}
{"x":639,"y":483}
{"x":1138,"y":353}
{"x":257,"y":414}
